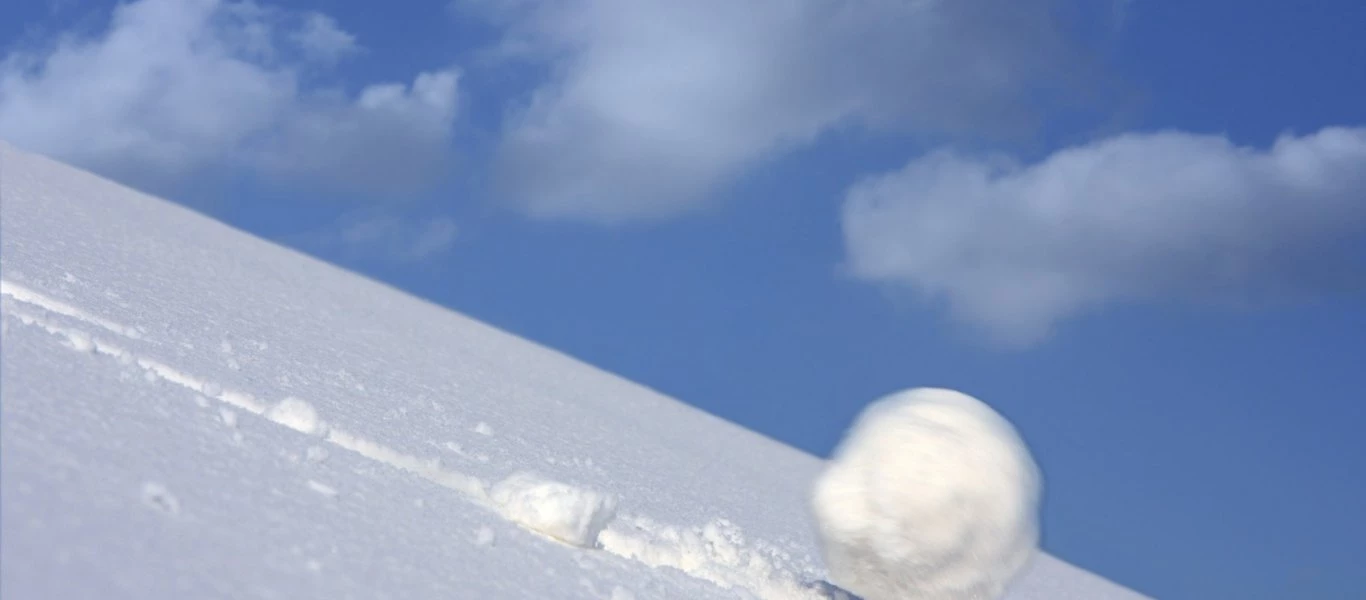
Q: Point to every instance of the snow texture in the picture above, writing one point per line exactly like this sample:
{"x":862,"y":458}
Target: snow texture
{"x":321,"y":464}
{"x":931,"y":496}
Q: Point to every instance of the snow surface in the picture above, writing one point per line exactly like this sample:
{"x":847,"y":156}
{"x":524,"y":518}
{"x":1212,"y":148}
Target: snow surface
{"x":189,"y":411}
{"x":932,"y":495}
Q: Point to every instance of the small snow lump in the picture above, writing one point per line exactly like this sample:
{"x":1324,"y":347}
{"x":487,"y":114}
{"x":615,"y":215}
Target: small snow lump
{"x":296,"y":414}
{"x":570,"y":514}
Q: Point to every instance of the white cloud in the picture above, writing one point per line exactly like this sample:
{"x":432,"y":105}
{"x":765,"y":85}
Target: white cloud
{"x":176,"y":87}
{"x":391,"y":138}
{"x":653,"y":104}
{"x":1014,"y":249}
{"x":321,"y":39}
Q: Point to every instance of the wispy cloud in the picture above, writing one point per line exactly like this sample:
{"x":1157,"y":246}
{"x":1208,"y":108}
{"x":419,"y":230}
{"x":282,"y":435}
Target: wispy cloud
{"x":1014,"y":249}
{"x":653,"y":104}
{"x":174,"y":87}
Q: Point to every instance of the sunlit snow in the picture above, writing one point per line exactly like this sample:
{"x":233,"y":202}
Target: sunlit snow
{"x":189,"y":412}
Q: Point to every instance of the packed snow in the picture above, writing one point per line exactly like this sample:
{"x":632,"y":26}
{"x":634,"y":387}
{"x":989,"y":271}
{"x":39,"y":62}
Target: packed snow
{"x":295,"y":414}
{"x":189,"y":411}
{"x":931,"y":496}
{"x":568,"y":513}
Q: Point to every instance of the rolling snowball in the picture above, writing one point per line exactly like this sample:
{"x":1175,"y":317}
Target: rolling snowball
{"x":930,"y":496}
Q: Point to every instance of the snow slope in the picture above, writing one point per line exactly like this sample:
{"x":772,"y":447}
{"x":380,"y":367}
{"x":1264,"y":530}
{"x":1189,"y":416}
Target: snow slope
{"x":189,"y":411}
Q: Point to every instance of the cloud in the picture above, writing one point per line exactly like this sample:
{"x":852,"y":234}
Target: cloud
{"x":651,"y":105}
{"x":322,"y":40}
{"x":176,"y":87}
{"x":393,"y":138}
{"x":387,"y":237}
{"x":1014,"y":249}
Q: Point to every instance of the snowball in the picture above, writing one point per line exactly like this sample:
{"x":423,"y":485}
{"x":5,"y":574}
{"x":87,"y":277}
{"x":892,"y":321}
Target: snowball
{"x":931,"y":495}
{"x":567,"y":513}
{"x":295,"y":414}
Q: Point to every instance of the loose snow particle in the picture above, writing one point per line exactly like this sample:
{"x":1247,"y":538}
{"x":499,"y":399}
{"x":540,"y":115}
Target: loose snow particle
{"x":419,"y":503}
{"x":225,"y":347}
{"x":483,"y":429}
{"x":295,"y":414}
{"x":931,"y":494}
{"x":234,"y":365}
{"x":621,"y":593}
{"x":211,"y":389}
{"x":314,"y":565}
{"x":484,"y":536}
{"x":564,"y":512}
{"x":80,"y":341}
{"x":229,"y":417}
{"x":157,"y":496}
{"x":201,"y":401}
{"x":315,"y":454}
{"x":322,"y":488}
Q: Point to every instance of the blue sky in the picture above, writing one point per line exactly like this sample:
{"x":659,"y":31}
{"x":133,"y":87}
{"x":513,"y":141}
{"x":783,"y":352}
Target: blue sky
{"x":1135,"y":228}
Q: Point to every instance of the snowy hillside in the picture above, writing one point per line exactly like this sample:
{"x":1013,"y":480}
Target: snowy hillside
{"x":191,"y":412}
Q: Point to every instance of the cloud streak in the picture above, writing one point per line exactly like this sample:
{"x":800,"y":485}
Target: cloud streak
{"x":1014,"y":249}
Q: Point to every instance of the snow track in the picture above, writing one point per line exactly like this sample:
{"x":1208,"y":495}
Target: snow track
{"x":23,"y":294}
{"x":716,"y":552}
